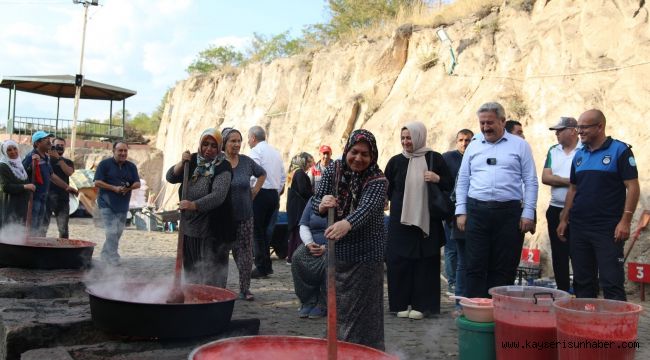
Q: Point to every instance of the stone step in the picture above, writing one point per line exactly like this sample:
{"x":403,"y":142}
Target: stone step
{"x":129,"y":349}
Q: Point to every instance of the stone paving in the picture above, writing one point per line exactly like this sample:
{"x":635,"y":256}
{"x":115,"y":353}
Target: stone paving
{"x":151,"y":255}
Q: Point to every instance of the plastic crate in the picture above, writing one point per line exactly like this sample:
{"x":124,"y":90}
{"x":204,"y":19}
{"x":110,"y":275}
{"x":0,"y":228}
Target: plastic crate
{"x":528,"y":272}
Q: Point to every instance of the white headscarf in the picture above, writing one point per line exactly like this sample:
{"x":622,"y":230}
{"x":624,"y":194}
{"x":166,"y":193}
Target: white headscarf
{"x":415,"y":207}
{"x":15,"y":165}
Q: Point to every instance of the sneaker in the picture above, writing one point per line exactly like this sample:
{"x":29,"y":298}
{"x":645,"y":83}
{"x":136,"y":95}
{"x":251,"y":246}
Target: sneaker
{"x":246,"y":296}
{"x":257,"y":274}
{"x":403,"y":314}
{"x":317,"y":312}
{"x":416,"y":315}
{"x":304,"y":311}
{"x":451,"y":290}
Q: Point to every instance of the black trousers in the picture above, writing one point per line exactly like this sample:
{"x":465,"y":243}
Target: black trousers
{"x":597,"y":258}
{"x":265,"y":203}
{"x":493,"y":245}
{"x":559,"y":249}
{"x":414,"y":282}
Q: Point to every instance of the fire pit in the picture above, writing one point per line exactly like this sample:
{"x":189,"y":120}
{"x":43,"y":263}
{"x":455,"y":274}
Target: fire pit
{"x":139,"y":309}
{"x":46,"y":253}
{"x":282,"y":347}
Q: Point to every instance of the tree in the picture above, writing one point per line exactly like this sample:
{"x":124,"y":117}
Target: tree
{"x":266,"y":49}
{"x":215,"y":58}
{"x":348,"y":15}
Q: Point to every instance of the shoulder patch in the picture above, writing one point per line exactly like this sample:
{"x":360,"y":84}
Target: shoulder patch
{"x":631,"y":161}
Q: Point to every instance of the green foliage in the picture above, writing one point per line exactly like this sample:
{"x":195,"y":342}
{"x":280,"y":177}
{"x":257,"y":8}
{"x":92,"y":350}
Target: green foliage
{"x":348,"y":15}
{"x":145,"y":124}
{"x":267,"y":48}
{"x":215,"y":58}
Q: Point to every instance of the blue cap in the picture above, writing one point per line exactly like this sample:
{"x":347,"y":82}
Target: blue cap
{"x":40,"y":135}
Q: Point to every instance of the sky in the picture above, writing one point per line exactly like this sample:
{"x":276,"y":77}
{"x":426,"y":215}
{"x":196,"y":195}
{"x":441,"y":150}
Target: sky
{"x":135,"y":44}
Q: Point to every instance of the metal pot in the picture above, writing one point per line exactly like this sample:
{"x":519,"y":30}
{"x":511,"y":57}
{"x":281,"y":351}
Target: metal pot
{"x":131,"y":309}
{"x":282,"y":347}
{"x":47,"y":253}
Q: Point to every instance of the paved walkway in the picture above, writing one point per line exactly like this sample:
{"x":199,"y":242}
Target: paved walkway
{"x":151,"y":255}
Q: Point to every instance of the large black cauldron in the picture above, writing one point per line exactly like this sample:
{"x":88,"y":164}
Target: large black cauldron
{"x":46,"y":253}
{"x":138,"y":309}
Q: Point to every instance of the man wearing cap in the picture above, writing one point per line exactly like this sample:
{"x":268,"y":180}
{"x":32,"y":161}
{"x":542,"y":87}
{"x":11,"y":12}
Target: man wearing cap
{"x":42,"y":176}
{"x":557,"y":169}
{"x":599,"y":205}
{"x":317,"y":169}
{"x":116,"y":177}
{"x":491,"y":206}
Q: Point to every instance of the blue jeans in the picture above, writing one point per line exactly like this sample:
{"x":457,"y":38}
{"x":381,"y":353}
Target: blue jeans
{"x":451,"y":256}
{"x":39,"y":209}
{"x":114,"y":223}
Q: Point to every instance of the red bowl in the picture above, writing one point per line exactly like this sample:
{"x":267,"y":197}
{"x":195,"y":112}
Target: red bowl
{"x":282,"y":347}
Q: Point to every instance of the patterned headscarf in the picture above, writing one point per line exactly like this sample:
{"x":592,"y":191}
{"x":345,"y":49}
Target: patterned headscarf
{"x":349,"y":184}
{"x":205,"y":167}
{"x":299,"y":162}
{"x":226,"y":132}
{"x":15,"y":165}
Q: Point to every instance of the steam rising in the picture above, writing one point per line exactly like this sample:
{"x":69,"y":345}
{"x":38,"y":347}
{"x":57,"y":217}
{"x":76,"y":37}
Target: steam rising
{"x":14,"y":234}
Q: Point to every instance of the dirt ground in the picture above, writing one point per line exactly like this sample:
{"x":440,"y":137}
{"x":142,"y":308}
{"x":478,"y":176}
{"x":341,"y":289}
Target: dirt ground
{"x":151,"y":255}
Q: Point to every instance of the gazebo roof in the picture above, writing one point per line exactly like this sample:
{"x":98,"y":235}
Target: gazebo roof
{"x":63,"y":86}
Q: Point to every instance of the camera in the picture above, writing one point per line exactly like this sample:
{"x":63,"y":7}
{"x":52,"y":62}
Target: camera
{"x":491,"y":161}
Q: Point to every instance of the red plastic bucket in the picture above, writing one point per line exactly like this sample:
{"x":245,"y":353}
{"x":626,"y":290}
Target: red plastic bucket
{"x":596,"y":329}
{"x":524,"y":322}
{"x":284,"y":348}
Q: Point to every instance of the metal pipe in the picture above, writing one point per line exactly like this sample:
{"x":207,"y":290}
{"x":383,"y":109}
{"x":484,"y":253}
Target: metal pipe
{"x":9,"y":125}
{"x":77,"y":94}
{"x":56,"y":126}
{"x":13,"y":119}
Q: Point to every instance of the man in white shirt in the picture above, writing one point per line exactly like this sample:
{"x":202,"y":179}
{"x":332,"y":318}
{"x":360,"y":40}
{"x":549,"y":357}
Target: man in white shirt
{"x":267,"y":201}
{"x":557,"y":170}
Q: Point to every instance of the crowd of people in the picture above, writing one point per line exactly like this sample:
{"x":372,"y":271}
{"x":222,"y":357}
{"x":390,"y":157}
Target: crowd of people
{"x":490,"y":178}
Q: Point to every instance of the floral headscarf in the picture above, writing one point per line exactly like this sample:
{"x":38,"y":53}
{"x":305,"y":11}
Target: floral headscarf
{"x":15,"y":165}
{"x":299,"y":162}
{"x":205,"y":167}
{"x":349,"y":184}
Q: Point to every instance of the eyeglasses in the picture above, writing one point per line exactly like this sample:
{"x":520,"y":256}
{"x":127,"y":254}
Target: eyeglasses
{"x":212,"y":145}
{"x":584,"y":127}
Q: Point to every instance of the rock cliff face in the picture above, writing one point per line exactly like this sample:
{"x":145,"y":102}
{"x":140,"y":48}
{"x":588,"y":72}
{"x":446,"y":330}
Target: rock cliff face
{"x":560,"y":59}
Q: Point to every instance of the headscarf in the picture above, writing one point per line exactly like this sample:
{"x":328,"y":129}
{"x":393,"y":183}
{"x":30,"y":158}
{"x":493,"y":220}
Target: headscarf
{"x":415,"y":209}
{"x":15,"y":165}
{"x":349,"y":185}
{"x":299,"y":161}
{"x":225,"y":133}
{"x":205,"y":167}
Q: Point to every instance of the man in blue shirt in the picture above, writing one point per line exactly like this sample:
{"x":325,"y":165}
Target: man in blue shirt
{"x":599,"y":205}
{"x":42,"y":177}
{"x":489,"y":199}
{"x":115,"y":177}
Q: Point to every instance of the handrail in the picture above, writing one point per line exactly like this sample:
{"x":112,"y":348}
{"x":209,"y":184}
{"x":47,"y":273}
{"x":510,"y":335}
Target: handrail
{"x":23,"y":125}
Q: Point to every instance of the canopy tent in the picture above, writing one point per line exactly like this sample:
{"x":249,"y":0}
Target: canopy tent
{"x":62,"y":86}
